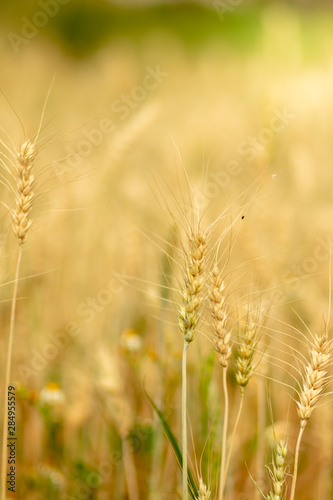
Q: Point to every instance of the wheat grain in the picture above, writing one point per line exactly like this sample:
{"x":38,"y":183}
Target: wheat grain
{"x":204,"y":492}
{"x":21,"y":224}
{"x":189,"y":315}
{"x":315,"y":378}
{"x":244,"y":368}
{"x":217,"y":305}
{"x":222,"y":345}
{"x":24,"y":190}
{"x":193,"y":282}
{"x":278,"y":472}
{"x":314,"y":382}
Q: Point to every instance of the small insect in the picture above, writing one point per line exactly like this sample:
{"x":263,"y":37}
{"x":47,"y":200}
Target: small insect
{"x":243,"y":217}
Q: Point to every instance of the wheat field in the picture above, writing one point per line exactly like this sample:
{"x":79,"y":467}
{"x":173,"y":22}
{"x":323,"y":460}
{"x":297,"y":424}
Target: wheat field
{"x":166,"y":228}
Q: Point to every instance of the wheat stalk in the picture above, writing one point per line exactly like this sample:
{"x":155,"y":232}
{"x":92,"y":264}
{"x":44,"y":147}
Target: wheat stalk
{"x":25,"y":159}
{"x":222,"y":345}
{"x":244,"y":367}
{"x":314,"y":382}
{"x":188,"y":318}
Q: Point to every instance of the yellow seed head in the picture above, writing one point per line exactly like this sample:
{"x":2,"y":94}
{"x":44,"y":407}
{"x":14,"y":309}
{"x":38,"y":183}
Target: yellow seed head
{"x":278,"y":472}
{"x":314,"y":379}
{"x":244,"y":368}
{"x":188,"y":314}
{"x":217,"y":306}
{"x":24,"y":191}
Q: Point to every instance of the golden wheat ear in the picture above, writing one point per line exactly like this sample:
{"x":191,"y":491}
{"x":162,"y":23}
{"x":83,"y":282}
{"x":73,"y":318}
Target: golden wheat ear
{"x":188,"y":318}
{"x":24,"y":190}
{"x":249,"y":338}
{"x":18,"y":177}
{"x":222,"y":345}
{"x":217,"y":306}
{"x":189,"y":313}
{"x":315,"y":380}
{"x":315,"y":376}
{"x":245,"y":365}
{"x":21,"y":222}
{"x":204,"y":492}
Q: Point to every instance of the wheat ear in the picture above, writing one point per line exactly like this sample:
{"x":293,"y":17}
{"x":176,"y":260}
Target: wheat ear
{"x":204,"y":492}
{"x":24,"y":194}
{"x":188,"y":318}
{"x":314,"y":382}
{"x":25,"y":160}
{"x":244,"y":369}
{"x":278,"y":472}
{"x":222,"y":345}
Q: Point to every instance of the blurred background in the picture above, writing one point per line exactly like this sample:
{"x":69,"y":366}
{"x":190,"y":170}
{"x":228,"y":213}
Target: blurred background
{"x":128,"y":95}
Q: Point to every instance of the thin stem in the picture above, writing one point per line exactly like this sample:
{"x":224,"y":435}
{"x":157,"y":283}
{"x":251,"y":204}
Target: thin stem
{"x":261,"y":419}
{"x":224,"y":436}
{"x":184,"y":422}
{"x":233,"y":437}
{"x":156,"y":469}
{"x":130,"y":472}
{"x":298,"y":444}
{"x":7,"y":378}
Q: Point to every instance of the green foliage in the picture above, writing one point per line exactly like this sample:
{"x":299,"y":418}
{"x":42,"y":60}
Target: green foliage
{"x":193,"y":489}
{"x":82,"y":27}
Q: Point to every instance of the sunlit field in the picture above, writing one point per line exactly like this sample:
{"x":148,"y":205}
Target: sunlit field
{"x":166,"y":227}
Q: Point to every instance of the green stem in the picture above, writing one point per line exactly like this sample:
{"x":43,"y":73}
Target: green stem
{"x":224,"y":436}
{"x":184,"y":422}
{"x":7,"y":377}
{"x":298,"y":444}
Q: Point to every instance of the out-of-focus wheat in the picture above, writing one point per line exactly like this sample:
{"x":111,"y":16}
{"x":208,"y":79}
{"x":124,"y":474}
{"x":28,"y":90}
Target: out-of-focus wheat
{"x":314,"y":382}
{"x":278,"y":472}
{"x":204,"y":492}
{"x":119,"y":408}
{"x":249,"y":337}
